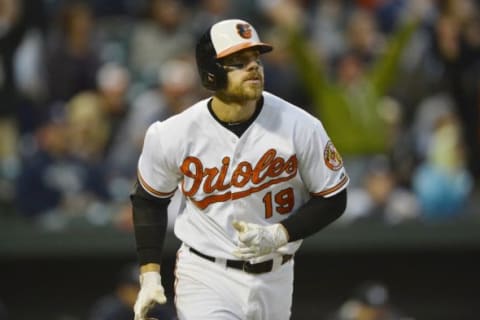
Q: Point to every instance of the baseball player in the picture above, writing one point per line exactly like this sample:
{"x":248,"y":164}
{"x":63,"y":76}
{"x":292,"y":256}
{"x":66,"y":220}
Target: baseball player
{"x":258,"y":175}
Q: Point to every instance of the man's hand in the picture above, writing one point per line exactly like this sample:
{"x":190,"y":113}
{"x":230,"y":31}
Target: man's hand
{"x":259,"y":240}
{"x":151,"y":292}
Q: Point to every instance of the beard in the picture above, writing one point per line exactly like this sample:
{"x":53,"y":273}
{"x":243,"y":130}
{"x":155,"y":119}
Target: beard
{"x":246,"y":90}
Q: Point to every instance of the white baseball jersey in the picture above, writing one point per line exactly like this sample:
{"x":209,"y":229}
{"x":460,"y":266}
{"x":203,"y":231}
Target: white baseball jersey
{"x":262,"y":177}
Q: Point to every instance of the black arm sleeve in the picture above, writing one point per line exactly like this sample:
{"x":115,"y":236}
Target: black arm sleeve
{"x":314,"y":215}
{"x":150,"y":224}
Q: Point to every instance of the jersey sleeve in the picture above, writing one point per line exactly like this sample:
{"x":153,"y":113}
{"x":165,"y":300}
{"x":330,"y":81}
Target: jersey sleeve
{"x":320,"y":164}
{"x":157,"y":172}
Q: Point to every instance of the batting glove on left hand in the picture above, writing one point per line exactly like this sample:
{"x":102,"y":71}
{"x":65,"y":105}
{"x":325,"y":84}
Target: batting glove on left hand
{"x":151,"y":292}
{"x":259,"y":240}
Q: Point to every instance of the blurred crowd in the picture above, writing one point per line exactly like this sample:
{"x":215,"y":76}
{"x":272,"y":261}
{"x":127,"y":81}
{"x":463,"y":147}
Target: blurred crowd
{"x":395,"y":82}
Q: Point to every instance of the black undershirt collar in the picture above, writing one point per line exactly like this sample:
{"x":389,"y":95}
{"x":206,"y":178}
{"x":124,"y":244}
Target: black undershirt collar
{"x":238,"y":128}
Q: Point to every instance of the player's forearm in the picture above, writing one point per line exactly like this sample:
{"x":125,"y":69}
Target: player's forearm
{"x":150,"y":225}
{"x":315,"y":215}
{"x":149,"y":243}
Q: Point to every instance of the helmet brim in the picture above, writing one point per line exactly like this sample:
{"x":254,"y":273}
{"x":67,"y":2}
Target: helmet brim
{"x":262,"y":47}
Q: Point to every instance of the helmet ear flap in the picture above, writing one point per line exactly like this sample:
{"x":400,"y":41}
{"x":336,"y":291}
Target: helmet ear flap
{"x":212,"y":74}
{"x":215,"y":77}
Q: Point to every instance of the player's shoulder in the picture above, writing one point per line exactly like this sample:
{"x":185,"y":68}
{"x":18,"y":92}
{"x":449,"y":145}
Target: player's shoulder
{"x":189,"y":114}
{"x":288,"y":117}
{"x":284,"y":108}
{"x":182,"y":120}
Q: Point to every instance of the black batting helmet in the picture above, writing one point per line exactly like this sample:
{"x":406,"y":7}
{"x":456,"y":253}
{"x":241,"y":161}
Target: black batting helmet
{"x":220,"y":40}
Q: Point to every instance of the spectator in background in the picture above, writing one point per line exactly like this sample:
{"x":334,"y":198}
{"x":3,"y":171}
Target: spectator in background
{"x":71,"y":55}
{"x":95,"y":116}
{"x":38,"y":181}
{"x":428,"y":111}
{"x":326,"y":22}
{"x":363,"y":37}
{"x":442,"y":182}
{"x":456,"y":41}
{"x":350,"y":104}
{"x":17,"y":18}
{"x":163,"y":34}
{"x":11,"y":33}
{"x":207,"y":13}
{"x":29,"y":68}
{"x":175,"y":89}
{"x":369,"y":301}
{"x":380,"y":198}
{"x":88,"y":125}
{"x":281,"y":76}
{"x":95,"y":119}
{"x":65,"y":168}
{"x":118,"y":304}
{"x":52,"y":180}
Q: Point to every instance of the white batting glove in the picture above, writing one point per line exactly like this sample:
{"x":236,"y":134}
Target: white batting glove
{"x":151,"y":292}
{"x":259,"y":240}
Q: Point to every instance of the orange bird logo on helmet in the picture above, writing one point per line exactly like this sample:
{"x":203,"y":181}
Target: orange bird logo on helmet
{"x":244,"y":30}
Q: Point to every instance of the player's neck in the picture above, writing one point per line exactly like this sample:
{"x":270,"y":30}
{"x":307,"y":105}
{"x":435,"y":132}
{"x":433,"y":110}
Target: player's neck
{"x":233,"y":112}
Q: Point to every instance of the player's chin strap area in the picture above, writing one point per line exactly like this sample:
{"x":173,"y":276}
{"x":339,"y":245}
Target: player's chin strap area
{"x":246,"y":266}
